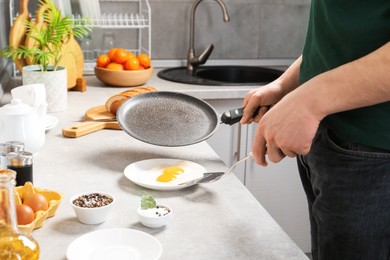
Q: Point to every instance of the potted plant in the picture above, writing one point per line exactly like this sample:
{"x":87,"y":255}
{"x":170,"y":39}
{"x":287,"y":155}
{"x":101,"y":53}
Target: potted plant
{"x":51,"y":35}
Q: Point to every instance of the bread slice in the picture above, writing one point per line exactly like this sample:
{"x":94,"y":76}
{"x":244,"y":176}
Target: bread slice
{"x":115,"y":101}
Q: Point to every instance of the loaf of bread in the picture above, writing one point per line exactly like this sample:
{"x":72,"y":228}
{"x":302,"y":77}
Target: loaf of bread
{"x":115,"y":101}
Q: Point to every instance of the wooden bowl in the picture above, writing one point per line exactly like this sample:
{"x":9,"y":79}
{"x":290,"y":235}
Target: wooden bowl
{"x":124,"y":78}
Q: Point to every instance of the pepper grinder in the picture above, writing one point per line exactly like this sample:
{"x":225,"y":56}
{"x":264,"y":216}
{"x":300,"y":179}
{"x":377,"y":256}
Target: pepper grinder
{"x":8,"y":147}
{"x":22,"y":164}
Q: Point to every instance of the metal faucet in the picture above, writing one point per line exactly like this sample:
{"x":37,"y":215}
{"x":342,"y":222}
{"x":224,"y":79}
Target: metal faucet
{"x":192,"y":61}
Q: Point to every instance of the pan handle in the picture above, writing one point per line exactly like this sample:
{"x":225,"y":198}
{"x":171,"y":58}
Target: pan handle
{"x":234,"y":115}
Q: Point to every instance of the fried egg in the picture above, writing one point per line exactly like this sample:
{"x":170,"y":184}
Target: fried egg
{"x":170,"y":173}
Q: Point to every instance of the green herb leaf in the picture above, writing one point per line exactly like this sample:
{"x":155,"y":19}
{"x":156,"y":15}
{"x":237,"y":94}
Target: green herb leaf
{"x":147,"y":201}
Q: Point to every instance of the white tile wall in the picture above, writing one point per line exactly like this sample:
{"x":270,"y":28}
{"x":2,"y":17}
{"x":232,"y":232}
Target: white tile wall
{"x":258,"y":29}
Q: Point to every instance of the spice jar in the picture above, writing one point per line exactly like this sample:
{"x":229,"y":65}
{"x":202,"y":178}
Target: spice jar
{"x":8,"y":147}
{"x":13,"y":243}
{"x":22,"y":164}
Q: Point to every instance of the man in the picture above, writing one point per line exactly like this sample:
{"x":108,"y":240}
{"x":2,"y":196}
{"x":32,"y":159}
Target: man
{"x":331,"y":109}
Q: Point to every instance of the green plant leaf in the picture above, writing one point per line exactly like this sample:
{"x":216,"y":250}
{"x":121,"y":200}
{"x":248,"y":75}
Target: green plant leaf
{"x":147,"y":201}
{"x":49,"y":40}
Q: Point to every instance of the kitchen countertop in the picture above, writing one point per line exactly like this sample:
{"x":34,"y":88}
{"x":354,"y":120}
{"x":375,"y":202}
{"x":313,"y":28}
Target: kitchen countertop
{"x":199,"y":91}
{"x":220,"y":220}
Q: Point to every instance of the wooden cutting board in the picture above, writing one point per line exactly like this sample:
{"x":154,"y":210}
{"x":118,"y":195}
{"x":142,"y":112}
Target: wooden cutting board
{"x":73,"y":61}
{"x":90,"y":126}
{"x":17,"y":34}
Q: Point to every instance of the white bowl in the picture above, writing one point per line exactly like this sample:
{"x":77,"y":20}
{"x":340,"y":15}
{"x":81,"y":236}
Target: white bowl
{"x":95,"y":215}
{"x":149,"y":218}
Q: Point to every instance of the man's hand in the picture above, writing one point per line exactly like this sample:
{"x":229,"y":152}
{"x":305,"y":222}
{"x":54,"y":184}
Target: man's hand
{"x":287,"y":129}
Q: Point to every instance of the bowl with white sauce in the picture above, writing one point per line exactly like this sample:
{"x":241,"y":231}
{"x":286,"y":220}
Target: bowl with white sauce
{"x":155,"y":217}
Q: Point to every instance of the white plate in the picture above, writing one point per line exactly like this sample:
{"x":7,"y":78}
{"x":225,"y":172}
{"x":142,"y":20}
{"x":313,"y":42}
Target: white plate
{"x":145,"y":173}
{"x":116,"y":243}
{"x":50,"y":122}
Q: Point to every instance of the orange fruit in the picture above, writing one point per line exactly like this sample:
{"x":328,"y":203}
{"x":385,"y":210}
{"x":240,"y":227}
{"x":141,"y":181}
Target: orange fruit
{"x":132,"y":64}
{"x":114,"y":66}
{"x":132,"y":55}
{"x":121,"y":56}
{"x":102,"y":61}
{"x":111,"y":53}
{"x":144,"y":60}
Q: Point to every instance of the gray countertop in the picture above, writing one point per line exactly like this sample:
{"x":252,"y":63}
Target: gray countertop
{"x":221,"y":220}
{"x":199,"y":91}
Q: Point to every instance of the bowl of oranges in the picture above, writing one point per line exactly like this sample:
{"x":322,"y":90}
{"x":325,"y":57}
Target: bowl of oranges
{"x":122,"y":68}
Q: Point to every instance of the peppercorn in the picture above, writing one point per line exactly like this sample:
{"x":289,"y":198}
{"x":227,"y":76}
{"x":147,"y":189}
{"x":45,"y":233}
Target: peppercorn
{"x":93,"y":200}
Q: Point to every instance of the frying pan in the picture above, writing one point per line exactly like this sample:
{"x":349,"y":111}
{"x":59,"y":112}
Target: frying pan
{"x":167,"y":118}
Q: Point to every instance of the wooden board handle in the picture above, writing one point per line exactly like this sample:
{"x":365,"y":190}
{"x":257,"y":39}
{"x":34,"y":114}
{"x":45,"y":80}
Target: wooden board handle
{"x":83,"y":129}
{"x":24,"y":8}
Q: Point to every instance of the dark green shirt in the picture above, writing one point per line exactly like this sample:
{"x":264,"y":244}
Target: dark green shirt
{"x":341,"y":31}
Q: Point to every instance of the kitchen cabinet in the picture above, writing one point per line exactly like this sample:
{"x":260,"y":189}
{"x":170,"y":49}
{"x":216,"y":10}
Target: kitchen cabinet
{"x":277,"y":187}
{"x":226,"y":141}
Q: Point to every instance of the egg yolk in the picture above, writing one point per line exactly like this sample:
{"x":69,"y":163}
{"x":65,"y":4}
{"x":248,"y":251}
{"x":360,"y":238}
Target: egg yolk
{"x":169,"y":174}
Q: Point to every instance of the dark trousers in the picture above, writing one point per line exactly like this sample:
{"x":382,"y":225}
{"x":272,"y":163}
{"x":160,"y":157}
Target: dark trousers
{"x":348,"y":191}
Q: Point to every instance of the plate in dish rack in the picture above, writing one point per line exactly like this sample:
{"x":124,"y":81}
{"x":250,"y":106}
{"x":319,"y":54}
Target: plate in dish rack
{"x":146,"y":172}
{"x":116,"y":243}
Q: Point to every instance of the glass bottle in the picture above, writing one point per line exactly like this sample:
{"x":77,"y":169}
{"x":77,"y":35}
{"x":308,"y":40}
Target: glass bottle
{"x":13,"y":243}
{"x":87,"y":47}
{"x":108,"y":42}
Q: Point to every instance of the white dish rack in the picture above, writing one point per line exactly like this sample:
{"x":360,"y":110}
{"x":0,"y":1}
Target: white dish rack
{"x":140,"y":21}
{"x":120,"y":21}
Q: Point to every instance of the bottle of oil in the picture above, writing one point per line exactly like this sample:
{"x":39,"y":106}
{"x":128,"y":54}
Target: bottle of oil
{"x":13,"y":243}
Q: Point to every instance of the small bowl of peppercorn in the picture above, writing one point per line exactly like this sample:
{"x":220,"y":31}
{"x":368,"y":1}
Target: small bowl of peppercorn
{"x":153,"y":215}
{"x":92,"y":207}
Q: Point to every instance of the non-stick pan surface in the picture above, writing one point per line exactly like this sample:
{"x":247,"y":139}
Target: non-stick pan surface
{"x":167,"y":118}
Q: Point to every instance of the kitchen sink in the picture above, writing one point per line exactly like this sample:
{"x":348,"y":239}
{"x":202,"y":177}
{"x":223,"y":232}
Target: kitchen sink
{"x":221,"y":75}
